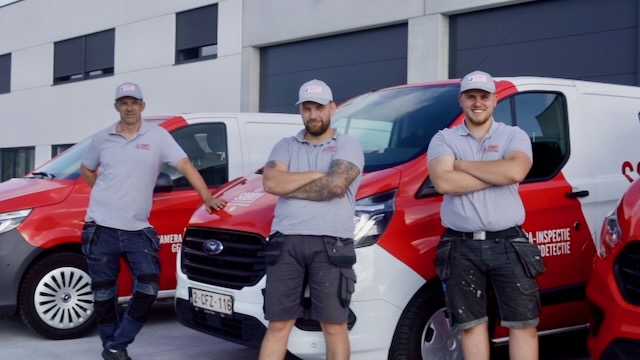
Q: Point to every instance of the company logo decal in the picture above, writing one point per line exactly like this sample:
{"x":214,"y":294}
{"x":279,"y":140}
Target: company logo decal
{"x":174,"y":239}
{"x":553,"y":242}
{"x":491,"y":148}
{"x":247,"y":198}
{"x":329,"y":149}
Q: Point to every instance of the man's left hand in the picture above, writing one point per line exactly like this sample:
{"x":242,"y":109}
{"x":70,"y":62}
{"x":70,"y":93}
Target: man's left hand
{"x":215,"y":204}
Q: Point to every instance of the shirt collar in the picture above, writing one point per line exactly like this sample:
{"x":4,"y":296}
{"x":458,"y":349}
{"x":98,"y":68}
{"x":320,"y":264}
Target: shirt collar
{"x":144,"y":127}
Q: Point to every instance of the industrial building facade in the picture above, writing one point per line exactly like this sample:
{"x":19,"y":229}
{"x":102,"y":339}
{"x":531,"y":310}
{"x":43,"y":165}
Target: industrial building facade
{"x":60,"y":60}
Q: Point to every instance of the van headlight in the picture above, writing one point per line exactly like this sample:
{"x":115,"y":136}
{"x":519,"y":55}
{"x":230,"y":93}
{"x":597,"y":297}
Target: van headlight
{"x":373,"y":214}
{"x":610,"y":234}
{"x":10,"y":220}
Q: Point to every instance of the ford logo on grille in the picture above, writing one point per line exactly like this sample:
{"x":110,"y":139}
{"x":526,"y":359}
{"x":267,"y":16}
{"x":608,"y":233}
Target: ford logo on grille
{"x":212,"y":247}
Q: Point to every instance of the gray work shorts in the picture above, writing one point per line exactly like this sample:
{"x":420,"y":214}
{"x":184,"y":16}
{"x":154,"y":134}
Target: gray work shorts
{"x":300,"y":256}
{"x":465,"y":266}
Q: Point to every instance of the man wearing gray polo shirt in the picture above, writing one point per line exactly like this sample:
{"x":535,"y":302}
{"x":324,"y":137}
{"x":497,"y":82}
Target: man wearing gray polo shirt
{"x":122,"y":165}
{"x":316,"y":175}
{"x":478,"y":166}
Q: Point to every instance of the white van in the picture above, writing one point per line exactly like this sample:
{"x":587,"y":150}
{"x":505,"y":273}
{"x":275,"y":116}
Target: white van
{"x":585,"y":153}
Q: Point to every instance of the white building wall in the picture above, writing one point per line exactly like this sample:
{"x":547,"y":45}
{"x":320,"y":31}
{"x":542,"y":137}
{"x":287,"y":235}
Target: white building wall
{"x":37,"y":113}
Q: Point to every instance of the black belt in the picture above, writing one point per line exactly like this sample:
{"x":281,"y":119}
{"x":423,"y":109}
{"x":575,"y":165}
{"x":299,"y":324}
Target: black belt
{"x":512,"y":232}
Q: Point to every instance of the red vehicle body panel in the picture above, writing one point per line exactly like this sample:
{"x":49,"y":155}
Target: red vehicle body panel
{"x":614,"y":318}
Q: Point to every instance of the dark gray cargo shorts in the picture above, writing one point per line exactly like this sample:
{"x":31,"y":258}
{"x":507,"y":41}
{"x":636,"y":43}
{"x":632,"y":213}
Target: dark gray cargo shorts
{"x":295,"y":256}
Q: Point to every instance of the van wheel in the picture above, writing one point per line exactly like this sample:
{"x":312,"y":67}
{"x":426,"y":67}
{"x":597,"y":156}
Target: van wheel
{"x":423,"y":331}
{"x":55,"y":298}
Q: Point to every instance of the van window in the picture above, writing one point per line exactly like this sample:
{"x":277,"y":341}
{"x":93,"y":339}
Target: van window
{"x":543,"y":117}
{"x":206,"y":147}
{"x":396,"y":125}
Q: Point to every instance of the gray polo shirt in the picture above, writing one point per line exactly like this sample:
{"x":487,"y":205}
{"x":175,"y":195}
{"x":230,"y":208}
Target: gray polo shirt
{"x":127,"y":171}
{"x":304,"y":217}
{"x":494,"y":208}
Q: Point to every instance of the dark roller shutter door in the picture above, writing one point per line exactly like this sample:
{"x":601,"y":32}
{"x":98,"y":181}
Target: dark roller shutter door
{"x":350,"y":63}
{"x":578,"y":39}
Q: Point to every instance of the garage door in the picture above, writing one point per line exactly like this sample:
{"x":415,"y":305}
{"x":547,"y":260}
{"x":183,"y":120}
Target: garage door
{"x":350,"y":64}
{"x":579,"y":39}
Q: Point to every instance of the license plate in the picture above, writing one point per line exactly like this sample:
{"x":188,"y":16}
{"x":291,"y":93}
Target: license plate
{"x":211,"y":301}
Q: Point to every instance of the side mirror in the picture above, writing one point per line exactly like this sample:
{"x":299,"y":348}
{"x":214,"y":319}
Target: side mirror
{"x":163,"y":183}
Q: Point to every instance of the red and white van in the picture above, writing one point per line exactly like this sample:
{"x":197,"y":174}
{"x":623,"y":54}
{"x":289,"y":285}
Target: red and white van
{"x":583,"y":135}
{"x":43,"y":274}
{"x":614,"y":287}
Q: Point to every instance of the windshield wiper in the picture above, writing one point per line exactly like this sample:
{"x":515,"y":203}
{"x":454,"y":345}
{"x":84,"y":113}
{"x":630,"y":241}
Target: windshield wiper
{"x":41,"y":175}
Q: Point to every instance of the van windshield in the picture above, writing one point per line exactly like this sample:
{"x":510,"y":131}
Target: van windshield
{"x":396,"y":125}
{"x":67,"y":164}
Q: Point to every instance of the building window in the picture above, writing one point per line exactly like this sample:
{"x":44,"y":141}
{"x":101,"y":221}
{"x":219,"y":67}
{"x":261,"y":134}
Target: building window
{"x":16,"y":162}
{"x":58,"y":149}
{"x":84,"y":57}
{"x":5,"y":73}
{"x":197,"y":34}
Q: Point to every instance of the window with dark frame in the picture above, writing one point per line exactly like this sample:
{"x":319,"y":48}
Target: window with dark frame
{"x":84,"y":57}
{"x":59,"y":149}
{"x":543,"y":116}
{"x":16,"y":162}
{"x":197,"y":34}
{"x":5,"y":73}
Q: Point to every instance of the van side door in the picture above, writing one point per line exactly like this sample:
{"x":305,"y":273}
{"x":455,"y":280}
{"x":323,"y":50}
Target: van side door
{"x":205,"y":144}
{"x":554,"y":217}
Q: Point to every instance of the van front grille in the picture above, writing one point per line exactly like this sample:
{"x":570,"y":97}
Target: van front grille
{"x":627,"y":270}
{"x":239,"y":264}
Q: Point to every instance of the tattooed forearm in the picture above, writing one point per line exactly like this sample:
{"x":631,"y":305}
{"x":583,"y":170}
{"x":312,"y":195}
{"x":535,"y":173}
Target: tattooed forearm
{"x":335,"y":184}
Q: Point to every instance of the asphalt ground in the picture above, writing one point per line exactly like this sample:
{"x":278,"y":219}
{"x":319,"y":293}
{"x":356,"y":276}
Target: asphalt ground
{"x":164,"y":338}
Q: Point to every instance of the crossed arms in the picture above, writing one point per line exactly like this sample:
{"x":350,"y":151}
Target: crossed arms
{"x":455,"y":177}
{"x":309,"y":185}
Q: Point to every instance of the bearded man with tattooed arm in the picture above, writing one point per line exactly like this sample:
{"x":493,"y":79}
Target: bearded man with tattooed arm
{"x":316,"y":175}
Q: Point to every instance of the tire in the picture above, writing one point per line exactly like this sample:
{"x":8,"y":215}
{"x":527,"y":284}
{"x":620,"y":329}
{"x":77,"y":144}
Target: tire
{"x":55,"y":298}
{"x":423,"y":331}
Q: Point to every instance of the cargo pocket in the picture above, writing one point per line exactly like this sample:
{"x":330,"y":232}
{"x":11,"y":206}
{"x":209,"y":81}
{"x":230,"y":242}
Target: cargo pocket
{"x":153,"y":236}
{"x":347,"y":285}
{"x":87,"y":237}
{"x":530,"y":257}
{"x":274,"y":247}
{"x":443,"y":258}
{"x":341,"y":251}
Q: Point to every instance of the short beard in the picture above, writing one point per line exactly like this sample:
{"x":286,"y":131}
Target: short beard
{"x":319,"y":131}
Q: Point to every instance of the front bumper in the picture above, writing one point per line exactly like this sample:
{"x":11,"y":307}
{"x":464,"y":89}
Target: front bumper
{"x":15,"y":256}
{"x":614,"y":332}
{"x":377,"y":305}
